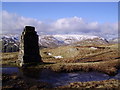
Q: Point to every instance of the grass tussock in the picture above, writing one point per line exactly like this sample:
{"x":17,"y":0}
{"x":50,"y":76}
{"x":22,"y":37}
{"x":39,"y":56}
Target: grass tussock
{"x":106,"y":67}
{"x":109,"y":84}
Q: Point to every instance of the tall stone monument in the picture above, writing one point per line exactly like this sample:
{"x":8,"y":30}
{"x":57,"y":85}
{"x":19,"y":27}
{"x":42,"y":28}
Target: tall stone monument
{"x":29,"y":47}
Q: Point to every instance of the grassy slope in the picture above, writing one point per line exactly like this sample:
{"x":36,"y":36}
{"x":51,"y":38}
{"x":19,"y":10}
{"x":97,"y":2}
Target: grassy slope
{"x":72,"y":54}
{"x":76,"y":58}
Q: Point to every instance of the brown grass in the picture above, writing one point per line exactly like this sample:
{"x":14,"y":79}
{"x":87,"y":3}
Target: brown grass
{"x":10,"y":56}
{"x":76,"y":58}
{"x":109,"y":84}
{"x":106,"y":67}
{"x":75,"y":54}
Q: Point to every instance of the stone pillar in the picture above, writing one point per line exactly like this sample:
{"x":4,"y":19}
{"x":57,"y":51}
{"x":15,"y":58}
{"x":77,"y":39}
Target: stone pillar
{"x":29,"y":47}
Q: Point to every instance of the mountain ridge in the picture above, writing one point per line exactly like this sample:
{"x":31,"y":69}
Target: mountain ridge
{"x":52,"y":41}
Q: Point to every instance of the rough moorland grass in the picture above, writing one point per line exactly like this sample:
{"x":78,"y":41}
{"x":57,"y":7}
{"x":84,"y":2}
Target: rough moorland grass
{"x":106,"y":67}
{"x":64,"y":51}
{"x":83,"y":56}
{"x":8,"y":58}
{"x":72,"y":54}
{"x":104,"y":60}
{"x":111,"y":84}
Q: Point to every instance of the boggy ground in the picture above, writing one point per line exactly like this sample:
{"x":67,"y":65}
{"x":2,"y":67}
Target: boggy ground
{"x":13,"y":81}
{"x":103,"y":58}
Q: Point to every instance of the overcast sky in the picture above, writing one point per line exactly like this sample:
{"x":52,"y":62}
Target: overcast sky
{"x":94,"y":18}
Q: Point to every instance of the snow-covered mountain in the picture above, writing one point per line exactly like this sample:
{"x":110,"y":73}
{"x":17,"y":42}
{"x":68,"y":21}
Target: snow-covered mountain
{"x":52,"y":40}
{"x":49,"y":41}
{"x":57,"y":40}
{"x":69,"y":39}
{"x":10,"y":43}
{"x":115,"y":40}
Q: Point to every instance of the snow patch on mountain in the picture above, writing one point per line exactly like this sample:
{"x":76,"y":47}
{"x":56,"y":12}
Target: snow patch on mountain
{"x":68,"y":39}
{"x":53,"y":40}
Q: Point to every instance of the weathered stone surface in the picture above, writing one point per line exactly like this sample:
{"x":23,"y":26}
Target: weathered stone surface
{"x":29,"y":47}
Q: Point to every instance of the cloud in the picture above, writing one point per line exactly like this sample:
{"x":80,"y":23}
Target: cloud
{"x":79,"y":26}
{"x":75,"y":24}
{"x":13,"y":23}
